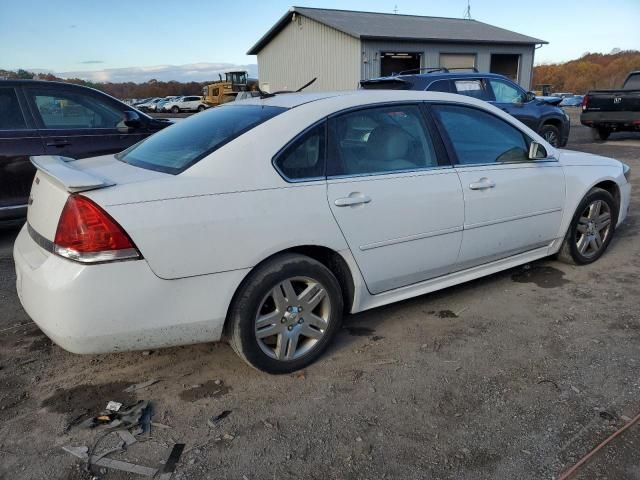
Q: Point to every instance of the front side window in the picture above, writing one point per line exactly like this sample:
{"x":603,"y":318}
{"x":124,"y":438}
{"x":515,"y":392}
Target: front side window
{"x":176,"y":148}
{"x":304,"y":158}
{"x":505,"y":93}
{"x":471,"y":88}
{"x":70,"y":110}
{"x":380,"y":140}
{"x":11,"y":117}
{"x":478,"y":137}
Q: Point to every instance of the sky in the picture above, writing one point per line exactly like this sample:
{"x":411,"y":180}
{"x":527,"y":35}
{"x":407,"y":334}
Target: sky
{"x":121,"y":40}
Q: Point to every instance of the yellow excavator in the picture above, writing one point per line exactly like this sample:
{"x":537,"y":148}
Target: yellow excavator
{"x":226,"y":90}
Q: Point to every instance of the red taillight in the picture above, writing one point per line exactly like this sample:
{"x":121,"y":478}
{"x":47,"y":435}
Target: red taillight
{"x":585,"y":102}
{"x":86,"y":233}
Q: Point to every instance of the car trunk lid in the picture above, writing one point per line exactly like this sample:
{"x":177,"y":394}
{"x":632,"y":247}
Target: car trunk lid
{"x":58,"y":177}
{"x":613,"y":101}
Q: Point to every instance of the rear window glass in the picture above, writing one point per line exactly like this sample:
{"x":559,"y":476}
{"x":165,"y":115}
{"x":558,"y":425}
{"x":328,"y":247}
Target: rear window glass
{"x":180,"y":146}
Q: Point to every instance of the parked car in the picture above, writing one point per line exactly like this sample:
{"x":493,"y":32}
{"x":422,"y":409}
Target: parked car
{"x":188,"y":103}
{"x":38,"y":118}
{"x":152,"y":106}
{"x":541,"y":115}
{"x":266,"y":220}
{"x":616,"y":110}
{"x":574,"y":101}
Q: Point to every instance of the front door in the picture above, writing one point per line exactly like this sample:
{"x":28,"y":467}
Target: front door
{"x":79,"y":125}
{"x":512,"y":204}
{"x":18,"y":141}
{"x":513,"y":100}
{"x":397,"y":202}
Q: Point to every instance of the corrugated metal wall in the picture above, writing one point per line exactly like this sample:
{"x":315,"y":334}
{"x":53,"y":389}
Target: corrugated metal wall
{"x":431,"y":55}
{"x":305,"y":49}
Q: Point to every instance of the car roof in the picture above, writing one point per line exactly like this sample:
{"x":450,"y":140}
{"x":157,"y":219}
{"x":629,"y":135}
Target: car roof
{"x":355,"y":97}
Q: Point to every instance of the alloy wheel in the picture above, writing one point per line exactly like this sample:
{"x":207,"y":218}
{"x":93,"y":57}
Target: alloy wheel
{"x":292,"y":318}
{"x":594,"y":228}
{"x":551,"y":138}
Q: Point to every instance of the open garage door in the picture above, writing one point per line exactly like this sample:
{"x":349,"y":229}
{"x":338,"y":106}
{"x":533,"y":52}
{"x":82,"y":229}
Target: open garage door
{"x":505,"y":64}
{"x":458,"y":60}
{"x":396,"y":62}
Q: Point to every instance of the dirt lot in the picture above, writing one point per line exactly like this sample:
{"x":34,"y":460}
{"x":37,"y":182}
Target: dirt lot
{"x":515,"y":376}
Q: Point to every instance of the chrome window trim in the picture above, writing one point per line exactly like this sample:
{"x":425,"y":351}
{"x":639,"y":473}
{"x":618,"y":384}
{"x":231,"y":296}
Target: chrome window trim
{"x":391,"y":172}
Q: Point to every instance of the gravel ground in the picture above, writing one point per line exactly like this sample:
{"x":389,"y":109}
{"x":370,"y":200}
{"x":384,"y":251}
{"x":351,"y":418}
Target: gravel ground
{"x":514,"y":376}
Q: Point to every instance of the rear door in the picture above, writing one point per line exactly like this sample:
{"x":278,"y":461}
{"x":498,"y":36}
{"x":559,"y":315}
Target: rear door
{"x":79,"y":124}
{"x":18,"y":140}
{"x":512,"y":204}
{"x":511,"y":99}
{"x":394,"y":195}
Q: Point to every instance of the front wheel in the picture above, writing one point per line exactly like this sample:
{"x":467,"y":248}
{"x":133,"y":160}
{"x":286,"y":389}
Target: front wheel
{"x":201,"y":108}
{"x":175,"y":109}
{"x":591,"y":228}
{"x":551,"y":134}
{"x":285,"y":314}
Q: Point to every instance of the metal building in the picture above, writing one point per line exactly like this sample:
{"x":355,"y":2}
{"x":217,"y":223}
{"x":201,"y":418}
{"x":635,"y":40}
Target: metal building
{"x":342,"y":47}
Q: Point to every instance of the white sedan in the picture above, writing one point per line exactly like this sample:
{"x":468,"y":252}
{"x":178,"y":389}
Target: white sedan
{"x":264,"y":221}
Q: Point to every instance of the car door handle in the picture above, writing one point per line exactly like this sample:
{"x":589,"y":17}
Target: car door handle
{"x":351,"y":200}
{"x":58,"y":143}
{"x":482,"y":184}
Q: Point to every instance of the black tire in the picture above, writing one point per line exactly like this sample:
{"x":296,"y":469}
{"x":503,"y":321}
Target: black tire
{"x":551,"y":134}
{"x":201,"y":108}
{"x":241,"y":322}
{"x":603,"y":134}
{"x":569,"y":252}
{"x":175,"y":109}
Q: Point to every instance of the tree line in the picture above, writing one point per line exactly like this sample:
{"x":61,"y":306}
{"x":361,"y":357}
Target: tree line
{"x":125,"y":90}
{"x":589,"y":72}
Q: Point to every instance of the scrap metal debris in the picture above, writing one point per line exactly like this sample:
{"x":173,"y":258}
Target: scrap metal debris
{"x":140,"y":386}
{"x":174,"y":458}
{"x":213,"y":421}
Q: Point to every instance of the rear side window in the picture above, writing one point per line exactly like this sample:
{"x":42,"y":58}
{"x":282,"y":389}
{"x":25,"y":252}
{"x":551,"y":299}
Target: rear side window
{"x":304,"y":158}
{"x":633,"y":82}
{"x":471,"y":88}
{"x":180,"y":146}
{"x":11,"y":117}
{"x":480,"y":138}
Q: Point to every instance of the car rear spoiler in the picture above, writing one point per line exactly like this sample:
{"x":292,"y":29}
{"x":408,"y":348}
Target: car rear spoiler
{"x":385,"y":84}
{"x":61,"y":170}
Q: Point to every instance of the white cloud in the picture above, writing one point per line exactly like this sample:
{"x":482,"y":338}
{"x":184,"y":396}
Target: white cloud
{"x":182,"y":73}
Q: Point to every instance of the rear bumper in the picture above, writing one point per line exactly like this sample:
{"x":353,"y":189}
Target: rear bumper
{"x":621,"y":121}
{"x":118,"y":306}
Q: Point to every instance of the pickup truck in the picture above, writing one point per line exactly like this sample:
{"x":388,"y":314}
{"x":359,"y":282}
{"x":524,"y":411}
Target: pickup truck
{"x":615,"y":110}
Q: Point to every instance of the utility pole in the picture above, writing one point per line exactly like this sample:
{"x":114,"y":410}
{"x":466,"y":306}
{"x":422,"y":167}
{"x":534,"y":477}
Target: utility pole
{"x":395,"y":9}
{"x":467,"y":12}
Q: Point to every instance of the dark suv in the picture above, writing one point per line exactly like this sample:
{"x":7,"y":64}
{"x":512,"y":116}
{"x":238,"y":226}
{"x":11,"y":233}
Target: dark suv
{"x":541,"y":116}
{"x":40,"y":118}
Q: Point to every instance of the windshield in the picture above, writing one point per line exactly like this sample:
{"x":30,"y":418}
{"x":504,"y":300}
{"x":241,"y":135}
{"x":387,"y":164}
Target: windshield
{"x":180,"y":146}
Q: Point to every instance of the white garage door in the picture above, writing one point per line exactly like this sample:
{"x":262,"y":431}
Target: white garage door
{"x":457,"y":60}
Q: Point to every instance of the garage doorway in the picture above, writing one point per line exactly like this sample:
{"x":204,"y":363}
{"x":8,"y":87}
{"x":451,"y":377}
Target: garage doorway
{"x":506,"y":64}
{"x":396,"y":62}
{"x":458,"y":61}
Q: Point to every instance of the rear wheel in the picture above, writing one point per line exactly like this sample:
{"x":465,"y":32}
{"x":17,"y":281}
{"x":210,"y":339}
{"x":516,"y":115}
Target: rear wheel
{"x":591,"y":228}
{"x":285,"y":314}
{"x":175,"y":109}
{"x":551,"y":134}
{"x":201,"y":108}
{"x":603,"y":134}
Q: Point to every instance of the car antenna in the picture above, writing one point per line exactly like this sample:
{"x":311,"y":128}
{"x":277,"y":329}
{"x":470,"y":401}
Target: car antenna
{"x":307,"y":84}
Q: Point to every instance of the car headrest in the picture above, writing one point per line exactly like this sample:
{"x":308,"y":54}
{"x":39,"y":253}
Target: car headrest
{"x":388,"y":142}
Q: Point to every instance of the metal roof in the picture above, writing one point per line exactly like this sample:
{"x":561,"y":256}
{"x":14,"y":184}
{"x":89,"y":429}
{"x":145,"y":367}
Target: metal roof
{"x":371,"y":25}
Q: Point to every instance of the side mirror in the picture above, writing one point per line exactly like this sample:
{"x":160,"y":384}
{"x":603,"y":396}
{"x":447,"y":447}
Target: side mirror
{"x":537,"y":151}
{"x":529,"y":97}
{"x":130,"y":121}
